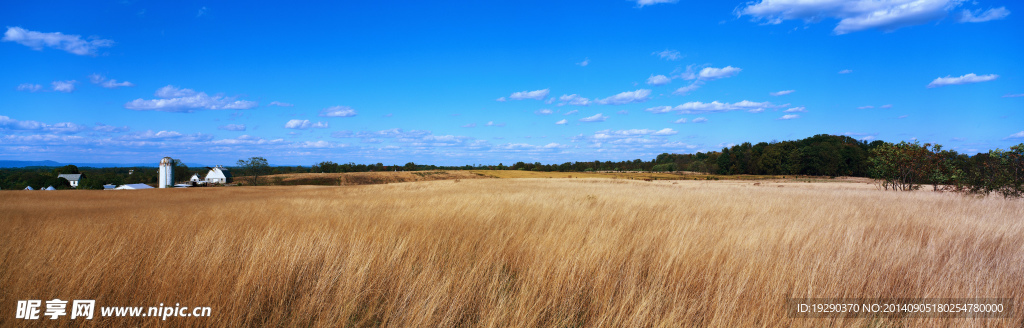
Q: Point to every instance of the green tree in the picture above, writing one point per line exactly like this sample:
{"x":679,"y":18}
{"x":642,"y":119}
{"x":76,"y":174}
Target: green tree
{"x":253,"y":168}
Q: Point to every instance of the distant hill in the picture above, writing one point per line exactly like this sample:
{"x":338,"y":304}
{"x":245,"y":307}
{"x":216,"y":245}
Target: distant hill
{"x":5,"y":164}
{"x":16,"y":164}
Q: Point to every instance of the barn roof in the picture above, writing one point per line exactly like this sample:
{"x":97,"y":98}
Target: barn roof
{"x":70,"y":177}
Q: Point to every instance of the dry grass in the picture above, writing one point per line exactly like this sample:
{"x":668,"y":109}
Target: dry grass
{"x":680,"y":175}
{"x":508,"y":252}
{"x":361,"y":178}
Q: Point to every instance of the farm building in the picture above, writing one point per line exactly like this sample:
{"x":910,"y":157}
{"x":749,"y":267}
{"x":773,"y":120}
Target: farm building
{"x":72,"y":178}
{"x":29,"y":188}
{"x":134,"y":186}
{"x":218,"y":174}
{"x":195,"y":178}
{"x":109,"y":187}
{"x":49,"y":188}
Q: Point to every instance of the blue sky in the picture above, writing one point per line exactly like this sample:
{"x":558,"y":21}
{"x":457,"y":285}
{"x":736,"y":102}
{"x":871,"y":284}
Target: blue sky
{"x":484,"y":82}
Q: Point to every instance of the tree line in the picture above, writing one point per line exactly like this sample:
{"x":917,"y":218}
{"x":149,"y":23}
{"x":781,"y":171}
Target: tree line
{"x":897,"y":166}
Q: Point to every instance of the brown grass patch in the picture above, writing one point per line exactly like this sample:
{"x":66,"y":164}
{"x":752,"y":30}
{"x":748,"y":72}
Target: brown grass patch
{"x":507,"y":253}
{"x":361,"y":178}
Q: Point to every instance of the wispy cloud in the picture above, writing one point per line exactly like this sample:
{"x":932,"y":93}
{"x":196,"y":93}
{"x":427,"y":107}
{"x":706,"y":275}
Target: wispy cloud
{"x":70,"y":43}
{"x":573,"y":99}
{"x":963,"y":79}
{"x":1013,"y":95}
{"x":596,"y":118}
{"x":562,"y":122}
{"x":699,"y":120}
{"x":543,"y":112}
{"x":853,"y":15}
{"x":627,"y":97}
{"x":696,"y":107}
{"x":29,"y":87}
{"x":658,"y":80}
{"x":64,"y":86}
{"x":782,"y":93}
{"x":967,"y":16}
{"x":682,"y":91}
{"x":712,"y":73}
{"x":680,"y":121}
{"x":668,"y":54}
{"x":571,"y":112}
{"x":800,"y":109}
{"x":470,"y":125}
{"x":338,"y":111}
{"x":280,"y":104}
{"x":491,"y":123}
{"x":178,"y":100}
{"x":108,"y":83}
{"x":305,"y":124}
{"x":584,"y":63}
{"x":642,"y":3}
{"x":232,"y":127}
{"x":7,"y":123}
{"x":846,"y":71}
{"x":1018,"y":135}
{"x":536,"y":95}
{"x":789,"y":117}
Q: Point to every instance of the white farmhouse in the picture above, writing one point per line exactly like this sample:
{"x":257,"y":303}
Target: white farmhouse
{"x":72,"y":178}
{"x":195,"y":178}
{"x":218,"y":174}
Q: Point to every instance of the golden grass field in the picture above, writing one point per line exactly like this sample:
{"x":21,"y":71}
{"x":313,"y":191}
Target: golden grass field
{"x":508,"y":252}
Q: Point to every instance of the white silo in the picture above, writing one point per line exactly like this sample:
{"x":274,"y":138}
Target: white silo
{"x":166,"y":176}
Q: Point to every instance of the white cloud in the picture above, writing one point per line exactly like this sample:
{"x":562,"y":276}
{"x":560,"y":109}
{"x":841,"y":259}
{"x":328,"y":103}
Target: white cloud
{"x":232,"y":127}
{"x":584,"y":63}
{"x":712,"y":73}
{"x":697,"y":107}
{"x":110,"y":128}
{"x":304,"y":124}
{"x":108,"y":83}
{"x":885,"y":106}
{"x":682,"y":91}
{"x":868,"y":138}
{"x":853,"y":15}
{"x":800,"y":109}
{"x":680,"y":121}
{"x":596,"y":118}
{"x":562,"y":122}
{"x":668,"y":54}
{"x":866,"y":107}
{"x":70,"y":43}
{"x":536,"y":94}
{"x":782,"y":93}
{"x":789,"y":117}
{"x":1013,"y":95}
{"x":281,"y":104}
{"x":664,"y":132}
{"x":1018,"y":135}
{"x":963,"y":79}
{"x":846,"y":71}
{"x":177,"y":100}
{"x":470,"y":125}
{"x":658,"y":80}
{"x":574,"y":100}
{"x":491,"y":123}
{"x":64,"y":86}
{"x":500,"y":99}
{"x":338,"y":111}
{"x":626,"y":97}
{"x":29,"y":87}
{"x":699,"y":120}
{"x":7,"y":123}
{"x":642,"y":3}
{"x":571,"y":112}
{"x":543,"y":112}
{"x":992,"y":14}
